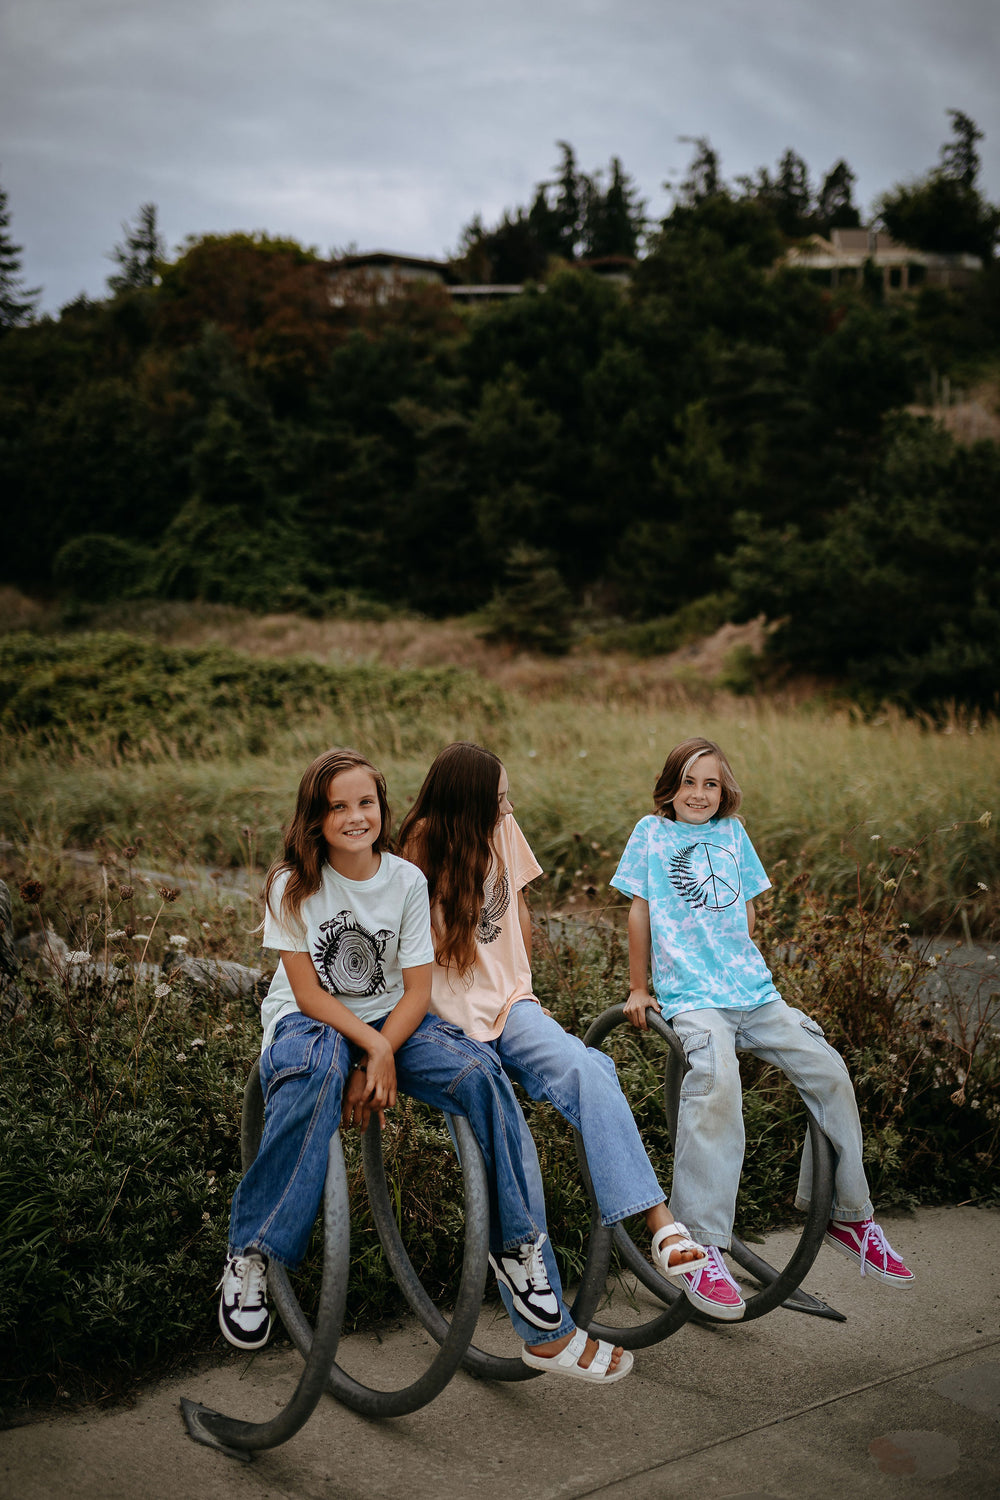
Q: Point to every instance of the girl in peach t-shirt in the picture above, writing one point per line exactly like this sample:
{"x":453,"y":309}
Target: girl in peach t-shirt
{"x":462,"y":833}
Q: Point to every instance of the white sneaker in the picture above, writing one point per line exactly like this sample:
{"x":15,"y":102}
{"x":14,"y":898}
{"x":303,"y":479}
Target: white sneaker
{"x":522,"y":1272}
{"x":244,"y":1316}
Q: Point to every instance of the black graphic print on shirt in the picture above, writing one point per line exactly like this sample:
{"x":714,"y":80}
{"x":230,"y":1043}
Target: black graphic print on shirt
{"x":496,"y":903}
{"x":705,"y":875}
{"x":348,"y":957}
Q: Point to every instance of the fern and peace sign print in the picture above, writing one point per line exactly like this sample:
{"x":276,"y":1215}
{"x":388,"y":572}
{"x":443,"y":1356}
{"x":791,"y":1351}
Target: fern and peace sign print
{"x":705,"y":874}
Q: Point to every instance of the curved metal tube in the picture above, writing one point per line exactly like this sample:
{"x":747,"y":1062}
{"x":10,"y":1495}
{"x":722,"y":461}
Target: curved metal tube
{"x":479,"y":1362}
{"x":241,"y":1439}
{"x":779,"y":1287}
{"x":654,"y":1330}
{"x":452,"y":1348}
{"x":365,"y":1399}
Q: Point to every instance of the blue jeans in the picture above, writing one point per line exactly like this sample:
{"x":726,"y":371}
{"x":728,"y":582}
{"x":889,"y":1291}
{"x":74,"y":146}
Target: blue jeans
{"x":582,"y":1083}
{"x":708,"y":1153}
{"x":303,"y":1072}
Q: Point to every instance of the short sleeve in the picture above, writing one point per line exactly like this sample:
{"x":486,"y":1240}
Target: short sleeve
{"x":632,"y":874}
{"x":416,"y":946}
{"x":755,"y":881}
{"x":522,"y":865}
{"x":276,"y":933}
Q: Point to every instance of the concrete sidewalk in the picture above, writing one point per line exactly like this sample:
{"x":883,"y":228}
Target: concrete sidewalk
{"x":901,"y":1400}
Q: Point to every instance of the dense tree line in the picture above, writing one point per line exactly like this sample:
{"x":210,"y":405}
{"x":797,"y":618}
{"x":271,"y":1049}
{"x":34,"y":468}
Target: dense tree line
{"x":220,"y":427}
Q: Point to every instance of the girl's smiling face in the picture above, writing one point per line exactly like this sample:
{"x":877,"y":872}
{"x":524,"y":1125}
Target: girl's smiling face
{"x":354,"y":821}
{"x":700,"y":791}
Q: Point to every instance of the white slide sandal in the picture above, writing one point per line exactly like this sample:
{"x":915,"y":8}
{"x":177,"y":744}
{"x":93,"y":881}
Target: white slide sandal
{"x":565,"y":1362}
{"x":662,"y":1253}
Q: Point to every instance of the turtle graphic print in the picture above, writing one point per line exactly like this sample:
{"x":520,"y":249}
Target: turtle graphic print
{"x":705,"y":875}
{"x":348,"y":957}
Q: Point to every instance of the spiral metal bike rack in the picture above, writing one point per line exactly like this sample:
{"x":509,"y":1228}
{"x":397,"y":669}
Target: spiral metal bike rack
{"x":478,"y":1362}
{"x":778,"y":1288}
{"x":319,"y":1348}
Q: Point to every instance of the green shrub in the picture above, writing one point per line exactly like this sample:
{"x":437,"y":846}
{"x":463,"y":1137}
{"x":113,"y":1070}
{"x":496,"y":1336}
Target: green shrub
{"x":100,"y":568}
{"x":533,"y":609}
{"x":126,"y":690}
{"x":668,"y":633}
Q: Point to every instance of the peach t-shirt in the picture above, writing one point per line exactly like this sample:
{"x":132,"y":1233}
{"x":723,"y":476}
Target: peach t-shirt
{"x":502,"y":972}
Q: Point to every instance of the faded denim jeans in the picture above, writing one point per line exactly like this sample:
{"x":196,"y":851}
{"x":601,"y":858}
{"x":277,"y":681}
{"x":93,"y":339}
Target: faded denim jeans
{"x":550,"y":1063}
{"x":708,"y":1152}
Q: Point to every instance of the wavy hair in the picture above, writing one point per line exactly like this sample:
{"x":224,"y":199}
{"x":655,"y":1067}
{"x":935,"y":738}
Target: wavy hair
{"x":448,"y":833}
{"x":304,"y":852}
{"x":680,"y":760}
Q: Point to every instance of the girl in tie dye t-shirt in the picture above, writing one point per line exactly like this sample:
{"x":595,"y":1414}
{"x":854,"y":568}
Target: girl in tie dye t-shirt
{"x":693,"y":875}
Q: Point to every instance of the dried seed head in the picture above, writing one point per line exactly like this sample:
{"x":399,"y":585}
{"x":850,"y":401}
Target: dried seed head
{"x":32,"y":891}
{"x":126,"y":892}
{"x":168,"y":893}
{"x":130,"y":851}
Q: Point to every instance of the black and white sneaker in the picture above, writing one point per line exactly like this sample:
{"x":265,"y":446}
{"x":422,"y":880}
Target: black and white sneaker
{"x":244,"y":1316}
{"x":522,"y":1272}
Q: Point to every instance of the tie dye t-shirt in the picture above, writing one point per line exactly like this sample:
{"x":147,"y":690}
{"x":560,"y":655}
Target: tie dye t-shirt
{"x":697,"y":878}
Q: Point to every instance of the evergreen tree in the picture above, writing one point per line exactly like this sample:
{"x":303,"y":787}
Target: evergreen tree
{"x":835,"y":206}
{"x":571,"y":187}
{"x":944,"y":211}
{"x":17,"y":303}
{"x":703,"y":179}
{"x":793,"y":195}
{"x":613,"y":221}
{"x":959,"y":157}
{"x":140,"y":256}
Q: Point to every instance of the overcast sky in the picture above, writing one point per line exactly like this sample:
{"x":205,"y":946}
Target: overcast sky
{"x":388,"y":123}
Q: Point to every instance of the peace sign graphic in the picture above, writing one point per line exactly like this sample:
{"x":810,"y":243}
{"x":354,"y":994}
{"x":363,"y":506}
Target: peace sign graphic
{"x":705,"y":875}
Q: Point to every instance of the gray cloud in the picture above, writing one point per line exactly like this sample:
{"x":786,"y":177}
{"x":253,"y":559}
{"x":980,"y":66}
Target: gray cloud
{"x":390,"y":123}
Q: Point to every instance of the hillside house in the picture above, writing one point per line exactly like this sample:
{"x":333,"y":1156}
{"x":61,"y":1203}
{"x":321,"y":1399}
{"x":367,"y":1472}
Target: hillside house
{"x":840,"y":261}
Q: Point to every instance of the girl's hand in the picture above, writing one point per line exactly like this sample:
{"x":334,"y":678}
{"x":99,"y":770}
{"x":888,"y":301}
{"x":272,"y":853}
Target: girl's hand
{"x":636,"y":1006}
{"x":356,"y":1109}
{"x":380,"y":1076}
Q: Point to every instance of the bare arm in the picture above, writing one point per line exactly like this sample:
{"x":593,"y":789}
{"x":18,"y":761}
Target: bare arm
{"x":360,"y":1096}
{"x":751,"y":918}
{"x":640,"y":945}
{"x":524,"y":917}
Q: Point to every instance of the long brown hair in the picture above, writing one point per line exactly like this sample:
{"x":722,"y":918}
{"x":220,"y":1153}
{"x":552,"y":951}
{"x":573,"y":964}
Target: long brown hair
{"x":305,"y":847}
{"x":448,"y":833}
{"x":676,"y":767}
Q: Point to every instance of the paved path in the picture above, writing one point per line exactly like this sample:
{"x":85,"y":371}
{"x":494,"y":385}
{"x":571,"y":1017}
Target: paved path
{"x":901,"y":1400}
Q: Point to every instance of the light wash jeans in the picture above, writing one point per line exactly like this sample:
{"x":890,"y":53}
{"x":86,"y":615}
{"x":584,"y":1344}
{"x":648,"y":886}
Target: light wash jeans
{"x":708,"y":1153}
{"x":582,"y":1083}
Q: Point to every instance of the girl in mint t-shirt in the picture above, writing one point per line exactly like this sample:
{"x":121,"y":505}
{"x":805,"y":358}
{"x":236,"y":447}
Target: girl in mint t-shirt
{"x":345,"y":1027}
{"x":693,"y":874}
